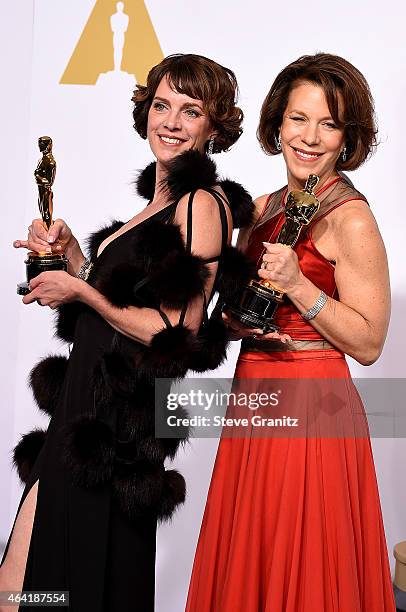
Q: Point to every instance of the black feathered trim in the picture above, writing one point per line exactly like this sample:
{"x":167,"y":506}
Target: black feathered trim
{"x":190,"y":171}
{"x":159,"y":271}
{"x":173,"y":435}
{"x":213,"y":346}
{"x":26,"y":452}
{"x":114,"y":378}
{"x":156,"y":240}
{"x":137,"y":416}
{"x":179,"y":278}
{"x":187,"y":172}
{"x":118,"y":284}
{"x":89,"y":451}
{"x":96,"y":238}
{"x":169,"y":353}
{"x":136,"y":421}
{"x":67,"y":314}
{"x":142,"y":488}
{"x":46,"y":380}
{"x":120,"y":388}
{"x":152,"y":449}
{"x":145,"y":183}
{"x":241,"y":204}
{"x":236,"y":271}
{"x":148,"y":448}
{"x":173,"y":494}
{"x":138,"y":487}
{"x":173,"y":276}
{"x":182,"y":433}
{"x":175,"y":350}
{"x":66,"y":319}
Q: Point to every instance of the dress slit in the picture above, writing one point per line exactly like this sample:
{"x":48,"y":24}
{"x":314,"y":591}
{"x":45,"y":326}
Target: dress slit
{"x":14,"y":533}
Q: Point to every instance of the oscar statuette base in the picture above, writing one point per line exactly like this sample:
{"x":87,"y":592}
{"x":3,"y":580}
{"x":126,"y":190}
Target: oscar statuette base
{"x":256,"y":306}
{"x":41,"y":262}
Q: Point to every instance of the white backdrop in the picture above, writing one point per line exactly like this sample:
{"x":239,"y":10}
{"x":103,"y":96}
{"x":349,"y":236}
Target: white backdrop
{"x":97,"y":153}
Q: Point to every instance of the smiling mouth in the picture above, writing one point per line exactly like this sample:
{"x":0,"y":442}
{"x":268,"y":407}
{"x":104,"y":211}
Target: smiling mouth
{"x":306,"y":155}
{"x":170,"y":141}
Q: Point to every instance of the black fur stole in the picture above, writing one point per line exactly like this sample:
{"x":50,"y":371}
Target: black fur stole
{"x":193,"y":170}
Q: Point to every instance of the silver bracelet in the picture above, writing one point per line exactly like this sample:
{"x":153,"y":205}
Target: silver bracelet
{"x":317,"y":306}
{"x":84,"y":269}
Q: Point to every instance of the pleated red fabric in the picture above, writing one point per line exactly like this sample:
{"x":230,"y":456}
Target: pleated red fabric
{"x":292,"y":524}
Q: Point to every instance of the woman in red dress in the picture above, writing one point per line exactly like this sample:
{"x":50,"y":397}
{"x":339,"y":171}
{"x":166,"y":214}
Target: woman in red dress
{"x":293,"y":522}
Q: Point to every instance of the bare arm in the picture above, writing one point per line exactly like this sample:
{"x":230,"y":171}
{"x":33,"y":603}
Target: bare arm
{"x":141,"y":324}
{"x":357,"y":323}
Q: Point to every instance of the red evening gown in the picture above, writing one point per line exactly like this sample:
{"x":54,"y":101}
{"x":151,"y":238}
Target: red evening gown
{"x":294,"y":524}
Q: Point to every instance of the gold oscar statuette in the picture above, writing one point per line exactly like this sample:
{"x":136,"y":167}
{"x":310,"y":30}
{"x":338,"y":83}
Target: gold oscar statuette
{"x":44,"y":177}
{"x":256,"y":304}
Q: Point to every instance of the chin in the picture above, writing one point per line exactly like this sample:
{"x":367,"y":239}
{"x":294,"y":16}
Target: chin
{"x":164,"y":156}
{"x":301,"y":173}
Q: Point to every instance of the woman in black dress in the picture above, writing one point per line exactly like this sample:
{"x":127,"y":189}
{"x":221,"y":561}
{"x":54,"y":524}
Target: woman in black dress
{"x":134,"y":309}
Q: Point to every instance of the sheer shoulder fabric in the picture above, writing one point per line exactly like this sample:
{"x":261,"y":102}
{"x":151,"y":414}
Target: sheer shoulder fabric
{"x":335,"y":193}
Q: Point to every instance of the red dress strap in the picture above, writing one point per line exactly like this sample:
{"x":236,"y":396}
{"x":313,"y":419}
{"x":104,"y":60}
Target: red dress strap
{"x":327,"y":185}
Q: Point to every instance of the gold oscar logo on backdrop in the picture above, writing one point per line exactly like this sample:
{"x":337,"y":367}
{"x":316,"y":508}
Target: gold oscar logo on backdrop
{"x":118,"y":38}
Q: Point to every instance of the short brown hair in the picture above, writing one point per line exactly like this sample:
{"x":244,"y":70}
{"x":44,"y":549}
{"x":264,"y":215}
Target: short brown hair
{"x":200,"y":78}
{"x":334,"y":74}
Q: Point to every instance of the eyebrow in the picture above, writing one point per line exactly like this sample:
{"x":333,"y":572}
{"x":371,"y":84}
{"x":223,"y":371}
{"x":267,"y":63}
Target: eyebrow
{"x":299,"y":112}
{"x":186,"y":104}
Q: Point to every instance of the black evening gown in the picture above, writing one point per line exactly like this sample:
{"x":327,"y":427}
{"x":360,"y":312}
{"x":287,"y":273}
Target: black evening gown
{"x":102,"y":481}
{"x":81,"y":532}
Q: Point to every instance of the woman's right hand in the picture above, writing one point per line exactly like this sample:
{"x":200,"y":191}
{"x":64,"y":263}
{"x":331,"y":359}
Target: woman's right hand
{"x":59,"y":237}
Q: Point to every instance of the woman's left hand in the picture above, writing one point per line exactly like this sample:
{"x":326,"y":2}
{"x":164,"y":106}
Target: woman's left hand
{"x":281,"y":266}
{"x":53,"y":289}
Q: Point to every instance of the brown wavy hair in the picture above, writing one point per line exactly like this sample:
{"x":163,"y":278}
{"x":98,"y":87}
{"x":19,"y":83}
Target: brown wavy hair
{"x":200,"y":78}
{"x":334,"y":74}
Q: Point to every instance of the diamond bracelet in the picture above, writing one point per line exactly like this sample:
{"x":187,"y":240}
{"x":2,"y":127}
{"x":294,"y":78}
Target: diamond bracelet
{"x":317,"y":306}
{"x":84,"y":269}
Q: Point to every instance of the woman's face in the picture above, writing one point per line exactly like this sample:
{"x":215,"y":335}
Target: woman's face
{"x":176,"y":123}
{"x":311,"y":141}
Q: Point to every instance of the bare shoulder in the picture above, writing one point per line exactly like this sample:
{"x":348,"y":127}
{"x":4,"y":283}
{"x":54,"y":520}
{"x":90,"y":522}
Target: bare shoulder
{"x":204,"y":206}
{"x":357,"y":233}
{"x":206,"y":226}
{"x":352,"y":218}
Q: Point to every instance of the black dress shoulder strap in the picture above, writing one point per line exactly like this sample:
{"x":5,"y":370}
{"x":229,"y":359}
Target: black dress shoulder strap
{"x":221,"y":202}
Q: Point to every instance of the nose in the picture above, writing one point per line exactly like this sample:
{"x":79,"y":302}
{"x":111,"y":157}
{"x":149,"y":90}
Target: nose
{"x":310,"y":134}
{"x":172,"y":121}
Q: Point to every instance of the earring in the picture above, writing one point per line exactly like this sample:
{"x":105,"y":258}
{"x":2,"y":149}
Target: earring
{"x":278,"y":143}
{"x":211,"y":145}
{"x":344,"y":154}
